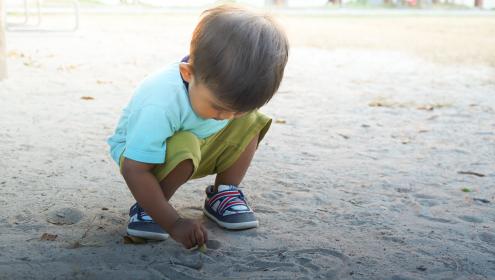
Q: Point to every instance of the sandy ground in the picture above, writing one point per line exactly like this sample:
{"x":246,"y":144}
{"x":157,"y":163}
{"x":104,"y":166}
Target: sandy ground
{"x":361,"y":178}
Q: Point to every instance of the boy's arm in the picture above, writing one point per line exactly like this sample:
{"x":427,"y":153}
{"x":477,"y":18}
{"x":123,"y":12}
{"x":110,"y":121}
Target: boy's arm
{"x":146,"y":190}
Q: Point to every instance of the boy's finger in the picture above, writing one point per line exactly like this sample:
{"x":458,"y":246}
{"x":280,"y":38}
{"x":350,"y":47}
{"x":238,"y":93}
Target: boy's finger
{"x":199,"y":237}
{"x":187,"y":243}
{"x":205,"y":233}
{"x":192,"y":239}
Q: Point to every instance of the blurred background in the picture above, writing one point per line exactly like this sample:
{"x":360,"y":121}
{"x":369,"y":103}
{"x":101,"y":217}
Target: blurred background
{"x":328,"y":4}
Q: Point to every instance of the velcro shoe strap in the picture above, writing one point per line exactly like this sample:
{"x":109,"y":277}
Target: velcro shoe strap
{"x":221,"y":195}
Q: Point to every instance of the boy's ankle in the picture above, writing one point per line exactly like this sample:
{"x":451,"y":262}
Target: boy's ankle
{"x":214,"y":188}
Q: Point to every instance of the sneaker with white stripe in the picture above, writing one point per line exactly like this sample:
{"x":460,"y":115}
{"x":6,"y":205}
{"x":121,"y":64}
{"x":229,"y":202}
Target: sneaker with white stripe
{"x":142,"y":225}
{"x":228,"y":208}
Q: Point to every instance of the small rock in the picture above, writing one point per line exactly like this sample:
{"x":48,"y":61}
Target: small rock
{"x":343,"y":136}
{"x":213,"y":244}
{"x":64,"y":216}
{"x":421,"y":268}
{"x":471,"y":173}
{"x":48,"y":237}
{"x":481,"y":200}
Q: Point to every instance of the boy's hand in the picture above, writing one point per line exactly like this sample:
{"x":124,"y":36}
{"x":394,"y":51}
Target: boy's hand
{"x":189,"y":232}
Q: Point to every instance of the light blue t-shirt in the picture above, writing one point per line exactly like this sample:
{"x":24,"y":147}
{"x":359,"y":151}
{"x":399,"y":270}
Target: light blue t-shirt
{"x":159,"y":107}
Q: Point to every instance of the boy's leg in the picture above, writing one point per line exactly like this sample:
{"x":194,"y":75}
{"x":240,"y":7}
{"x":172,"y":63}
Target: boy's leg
{"x":225,"y":203}
{"x":231,"y":176}
{"x":176,"y":178}
{"x":235,"y":173}
{"x":183,"y":151}
{"x":140,"y":223}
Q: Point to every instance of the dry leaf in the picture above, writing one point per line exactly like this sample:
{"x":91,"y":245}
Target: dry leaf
{"x":203,"y":249}
{"x":381,"y":102}
{"x":15,"y":54}
{"x":48,"y":237}
{"x":426,"y":107}
{"x":87,"y":98}
{"x":431,"y":107}
{"x":134,"y":240}
{"x":281,"y":121}
{"x":67,"y":68}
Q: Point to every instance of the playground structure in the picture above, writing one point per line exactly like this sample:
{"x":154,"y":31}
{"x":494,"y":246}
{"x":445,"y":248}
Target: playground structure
{"x":3,"y":45}
{"x":27,"y":25}
{"x":39,"y":9}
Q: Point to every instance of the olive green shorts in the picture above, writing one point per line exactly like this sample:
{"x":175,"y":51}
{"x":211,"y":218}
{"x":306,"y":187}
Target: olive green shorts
{"x":216,"y":153}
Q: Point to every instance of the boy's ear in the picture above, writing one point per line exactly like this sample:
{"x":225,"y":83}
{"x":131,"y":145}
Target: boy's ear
{"x":186,"y":71}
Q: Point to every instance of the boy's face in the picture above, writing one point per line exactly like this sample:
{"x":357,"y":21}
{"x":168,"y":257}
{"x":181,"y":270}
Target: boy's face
{"x":203,"y":101}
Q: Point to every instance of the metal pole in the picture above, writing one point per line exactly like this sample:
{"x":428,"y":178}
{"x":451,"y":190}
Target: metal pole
{"x":3,"y":43}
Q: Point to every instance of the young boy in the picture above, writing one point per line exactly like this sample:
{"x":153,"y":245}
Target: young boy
{"x":199,"y":117}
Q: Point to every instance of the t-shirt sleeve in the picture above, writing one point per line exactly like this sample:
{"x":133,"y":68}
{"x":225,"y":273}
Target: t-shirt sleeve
{"x":147,"y":133}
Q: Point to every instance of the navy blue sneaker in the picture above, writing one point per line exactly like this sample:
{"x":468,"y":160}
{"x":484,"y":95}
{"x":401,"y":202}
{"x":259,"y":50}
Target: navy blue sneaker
{"x":228,"y":208}
{"x":142,"y":225}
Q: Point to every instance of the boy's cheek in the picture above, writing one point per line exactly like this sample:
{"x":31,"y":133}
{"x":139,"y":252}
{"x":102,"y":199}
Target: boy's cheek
{"x":197,"y":108}
{"x":202,"y":112}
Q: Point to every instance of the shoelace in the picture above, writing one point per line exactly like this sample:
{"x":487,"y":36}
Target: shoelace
{"x":141,"y":214}
{"x":232,"y":200}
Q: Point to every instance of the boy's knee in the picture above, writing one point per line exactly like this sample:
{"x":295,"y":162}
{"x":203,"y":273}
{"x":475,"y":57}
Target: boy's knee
{"x":177,"y":177}
{"x":185,"y":167}
{"x":181,"y":173}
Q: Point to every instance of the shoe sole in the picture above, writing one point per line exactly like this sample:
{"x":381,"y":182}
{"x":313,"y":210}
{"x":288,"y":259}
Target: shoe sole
{"x":147,"y":235}
{"x":244,"y":225}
